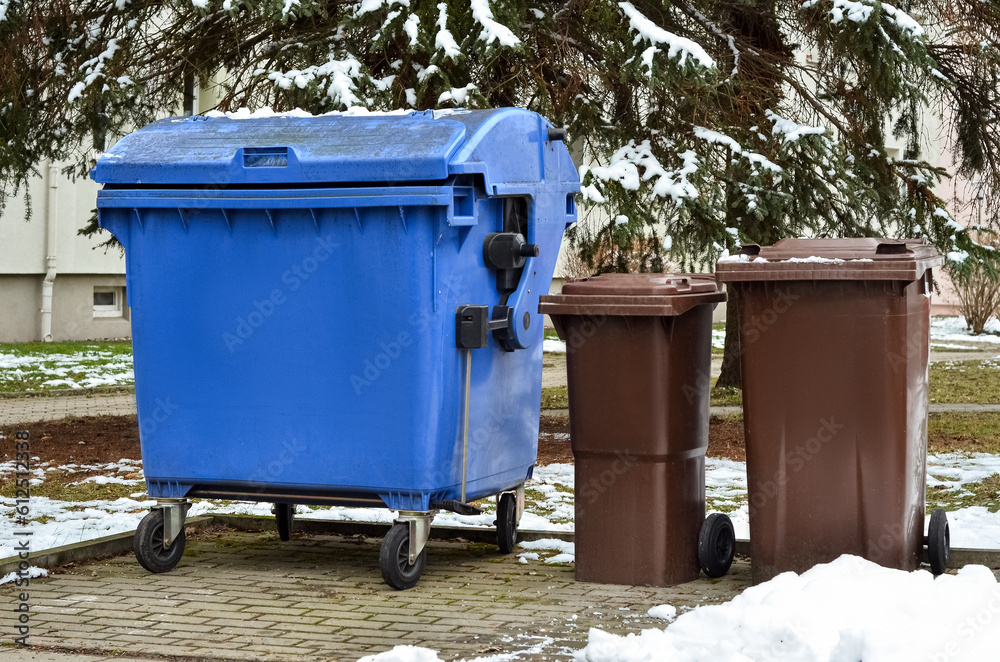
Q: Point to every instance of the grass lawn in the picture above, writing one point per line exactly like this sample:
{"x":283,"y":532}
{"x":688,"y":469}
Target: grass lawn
{"x":958,"y":382}
{"x":966,"y":382}
{"x":38,"y":366}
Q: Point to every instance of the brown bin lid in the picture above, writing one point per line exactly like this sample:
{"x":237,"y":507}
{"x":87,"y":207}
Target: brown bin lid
{"x":831,"y":259}
{"x":633,"y":294}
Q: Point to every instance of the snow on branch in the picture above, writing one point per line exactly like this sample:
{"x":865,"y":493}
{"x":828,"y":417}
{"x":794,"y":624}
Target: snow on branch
{"x":860,"y":12}
{"x":444,"y":40}
{"x":374,"y":5}
{"x":681,"y":47}
{"x":624,"y":168}
{"x":4,"y":5}
{"x":722,"y":139}
{"x":492,"y":31}
{"x":340,"y":74}
{"x":792,"y":131}
{"x":94,"y":69}
{"x":458,"y":95}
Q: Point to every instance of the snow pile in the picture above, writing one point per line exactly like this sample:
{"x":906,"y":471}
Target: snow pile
{"x":404,"y":654}
{"x":844,"y":611}
{"x":646,"y":30}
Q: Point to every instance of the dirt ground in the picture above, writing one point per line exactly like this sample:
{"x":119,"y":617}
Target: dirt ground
{"x":94,"y":440}
{"x":110,"y":438}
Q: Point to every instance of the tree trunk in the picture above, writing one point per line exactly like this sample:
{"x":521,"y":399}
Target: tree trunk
{"x":732,"y":374}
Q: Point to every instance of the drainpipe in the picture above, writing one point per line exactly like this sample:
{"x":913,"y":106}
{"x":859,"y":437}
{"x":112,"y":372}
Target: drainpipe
{"x":51,"y":219}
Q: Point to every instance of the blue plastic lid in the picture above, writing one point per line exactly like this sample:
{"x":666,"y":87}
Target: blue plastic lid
{"x":220,"y":151}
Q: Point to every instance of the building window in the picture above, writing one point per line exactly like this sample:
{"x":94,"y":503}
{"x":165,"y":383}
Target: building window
{"x":109,"y":301}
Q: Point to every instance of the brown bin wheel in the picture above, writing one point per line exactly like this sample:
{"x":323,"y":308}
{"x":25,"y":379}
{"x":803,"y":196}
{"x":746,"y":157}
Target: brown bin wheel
{"x":938,"y":542}
{"x":394,"y":559}
{"x":717,"y":545}
{"x":284,"y":516}
{"x":506,"y":523}
{"x":148,"y":544}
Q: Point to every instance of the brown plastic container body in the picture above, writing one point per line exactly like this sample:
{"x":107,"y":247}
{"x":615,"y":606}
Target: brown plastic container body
{"x":835,"y":400}
{"x":638,"y":361}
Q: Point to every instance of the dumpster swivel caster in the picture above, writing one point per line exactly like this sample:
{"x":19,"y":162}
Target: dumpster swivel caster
{"x":716,"y":545}
{"x":402,"y":557}
{"x":284,"y":517}
{"x":510,"y":506}
{"x":938,"y":542}
{"x":159,"y":538}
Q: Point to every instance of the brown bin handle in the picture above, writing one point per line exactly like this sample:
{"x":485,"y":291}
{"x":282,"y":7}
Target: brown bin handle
{"x":892,"y":248}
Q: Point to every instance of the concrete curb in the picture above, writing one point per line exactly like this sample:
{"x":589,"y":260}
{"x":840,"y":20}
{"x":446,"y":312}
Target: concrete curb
{"x":88,"y":550}
{"x":121,"y":543}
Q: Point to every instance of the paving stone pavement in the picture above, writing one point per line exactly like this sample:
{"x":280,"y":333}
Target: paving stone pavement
{"x":249,"y":596}
{"x":51,"y":408}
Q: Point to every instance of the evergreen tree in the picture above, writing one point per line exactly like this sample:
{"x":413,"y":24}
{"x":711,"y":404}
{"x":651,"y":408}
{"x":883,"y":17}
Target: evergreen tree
{"x":704,"y":123}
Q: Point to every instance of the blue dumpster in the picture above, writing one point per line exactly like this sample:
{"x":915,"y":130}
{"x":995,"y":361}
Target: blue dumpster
{"x":338,"y":310}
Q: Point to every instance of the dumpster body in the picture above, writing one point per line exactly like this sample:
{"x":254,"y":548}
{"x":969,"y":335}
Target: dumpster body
{"x":835,"y":346}
{"x":638,"y":357}
{"x":294,"y":284}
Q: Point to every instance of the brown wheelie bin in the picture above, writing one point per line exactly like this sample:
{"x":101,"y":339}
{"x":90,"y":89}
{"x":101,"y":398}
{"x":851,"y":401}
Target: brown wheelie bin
{"x":835,"y":344}
{"x":638,"y":356}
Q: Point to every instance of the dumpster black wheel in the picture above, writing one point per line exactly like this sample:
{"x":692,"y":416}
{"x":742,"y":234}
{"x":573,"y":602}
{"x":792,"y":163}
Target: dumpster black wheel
{"x":938,"y":542}
{"x":284,"y":516}
{"x":716,"y":545}
{"x":148,"y":544}
{"x":394,"y":559}
{"x":507,"y":522}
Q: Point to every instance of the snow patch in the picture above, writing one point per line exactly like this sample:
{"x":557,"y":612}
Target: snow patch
{"x":849,"y":609}
{"x":666,"y":612}
{"x":31,"y":572}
